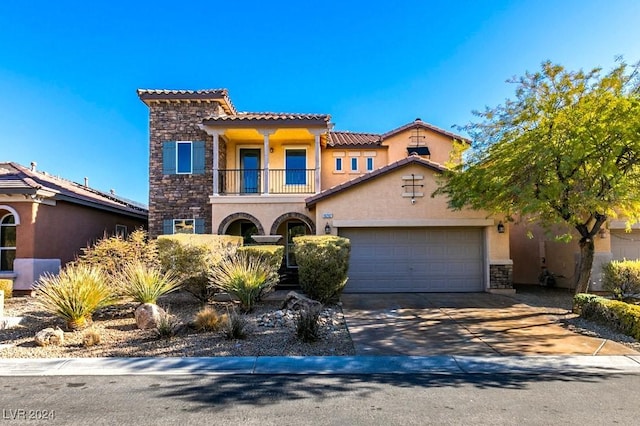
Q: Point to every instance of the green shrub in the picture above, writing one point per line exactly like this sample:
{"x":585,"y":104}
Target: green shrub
{"x":580,"y":300}
{"x":273,"y":256}
{"x":244,"y":276}
{"x":208,"y":319}
{"x":7,"y":287}
{"x":323,"y":262}
{"x":190,"y":256}
{"x":75,"y":294}
{"x":621,"y":316}
{"x":111,"y":254}
{"x":144,"y":283}
{"x":308,"y":325}
{"x":622,"y":278}
{"x":234,"y":327}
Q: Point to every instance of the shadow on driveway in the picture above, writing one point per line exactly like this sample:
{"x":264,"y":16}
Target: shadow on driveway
{"x":464,"y":324}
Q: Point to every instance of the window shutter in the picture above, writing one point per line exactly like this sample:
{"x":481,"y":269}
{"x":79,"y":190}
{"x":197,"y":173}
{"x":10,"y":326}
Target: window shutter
{"x":167,"y":227}
{"x":199,"y":226}
{"x":169,"y":158}
{"x":198,"y":157}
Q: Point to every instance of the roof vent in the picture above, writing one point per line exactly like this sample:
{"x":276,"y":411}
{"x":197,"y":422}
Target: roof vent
{"x":417,"y":119}
{"x":86,"y":182}
{"x":112,"y":191}
{"x":33,"y":166}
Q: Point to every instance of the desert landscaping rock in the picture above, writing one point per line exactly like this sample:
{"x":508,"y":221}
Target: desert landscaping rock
{"x":148,"y":315}
{"x":120,"y":336}
{"x":296,"y":302}
{"x":49,"y":336}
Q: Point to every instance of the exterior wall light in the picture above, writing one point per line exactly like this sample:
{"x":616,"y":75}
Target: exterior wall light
{"x":500,"y":227}
{"x":327,"y":229}
{"x":603,"y":233}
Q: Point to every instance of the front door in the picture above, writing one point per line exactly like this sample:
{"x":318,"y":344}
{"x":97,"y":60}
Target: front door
{"x":250,"y":171}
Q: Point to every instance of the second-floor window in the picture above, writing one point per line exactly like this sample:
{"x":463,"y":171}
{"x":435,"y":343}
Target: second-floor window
{"x":296,"y":167}
{"x":183,"y":157}
{"x":354,"y":164}
{"x":338,"y":164}
{"x":369,"y":164}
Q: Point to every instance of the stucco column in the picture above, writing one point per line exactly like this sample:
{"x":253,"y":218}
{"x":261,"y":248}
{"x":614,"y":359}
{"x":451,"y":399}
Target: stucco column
{"x":215,"y":133}
{"x":317,"y":133}
{"x":265,"y":178}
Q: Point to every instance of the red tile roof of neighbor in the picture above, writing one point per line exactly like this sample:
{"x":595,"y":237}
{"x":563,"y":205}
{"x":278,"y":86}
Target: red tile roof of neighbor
{"x":412,"y":159}
{"x":17,"y":179}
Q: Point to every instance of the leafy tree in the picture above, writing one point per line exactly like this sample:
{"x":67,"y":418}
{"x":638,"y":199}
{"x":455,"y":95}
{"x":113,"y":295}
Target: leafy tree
{"x":565,"y":151}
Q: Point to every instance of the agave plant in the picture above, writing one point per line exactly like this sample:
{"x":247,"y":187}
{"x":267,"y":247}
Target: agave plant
{"x":144,"y":283}
{"x":243,"y":276}
{"x":75,"y":294}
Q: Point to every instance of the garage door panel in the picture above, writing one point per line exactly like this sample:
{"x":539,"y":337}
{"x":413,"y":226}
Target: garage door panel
{"x":625,"y":245}
{"x":415,"y":259}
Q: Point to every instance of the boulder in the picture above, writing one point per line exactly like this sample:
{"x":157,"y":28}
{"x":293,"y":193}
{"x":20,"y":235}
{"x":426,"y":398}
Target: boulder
{"x":49,"y":336}
{"x":148,"y":315}
{"x":297,"y":302}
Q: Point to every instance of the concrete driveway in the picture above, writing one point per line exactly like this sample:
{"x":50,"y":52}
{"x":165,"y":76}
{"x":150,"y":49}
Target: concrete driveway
{"x":463,"y":324}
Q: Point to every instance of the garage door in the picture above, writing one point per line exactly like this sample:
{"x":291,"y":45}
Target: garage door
{"x":625,"y":245}
{"x":415,"y":259}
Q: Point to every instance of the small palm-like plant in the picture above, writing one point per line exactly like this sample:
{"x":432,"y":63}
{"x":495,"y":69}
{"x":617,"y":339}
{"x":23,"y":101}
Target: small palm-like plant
{"x":75,"y":294}
{"x":243,"y":276}
{"x":144,"y":283}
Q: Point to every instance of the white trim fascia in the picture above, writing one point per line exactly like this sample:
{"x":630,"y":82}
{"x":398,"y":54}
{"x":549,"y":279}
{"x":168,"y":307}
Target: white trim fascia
{"x":261,"y":199}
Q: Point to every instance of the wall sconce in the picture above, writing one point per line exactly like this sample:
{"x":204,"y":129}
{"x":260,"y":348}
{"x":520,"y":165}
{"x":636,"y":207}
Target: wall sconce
{"x":327,"y":229}
{"x":500,"y":227}
{"x":271,"y":150}
{"x":603,"y":233}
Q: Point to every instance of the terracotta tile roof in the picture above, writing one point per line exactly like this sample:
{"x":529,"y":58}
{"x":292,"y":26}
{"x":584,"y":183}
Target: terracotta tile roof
{"x":419,"y":123}
{"x":412,"y":159}
{"x":147,"y":95}
{"x":253,"y":117}
{"x":351,"y":139}
{"x":17,"y":179}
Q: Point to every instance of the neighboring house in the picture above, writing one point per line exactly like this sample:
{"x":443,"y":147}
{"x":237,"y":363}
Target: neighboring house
{"x":215,"y":170}
{"x":45,"y":221}
{"x":532,"y":250}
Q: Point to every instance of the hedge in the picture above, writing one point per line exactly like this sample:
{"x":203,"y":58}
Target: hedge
{"x":623,"y":317}
{"x":323,"y":262}
{"x":7,"y":286}
{"x":622,"y":277}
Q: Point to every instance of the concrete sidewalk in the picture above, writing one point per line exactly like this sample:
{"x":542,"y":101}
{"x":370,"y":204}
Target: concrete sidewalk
{"x":330,"y":365}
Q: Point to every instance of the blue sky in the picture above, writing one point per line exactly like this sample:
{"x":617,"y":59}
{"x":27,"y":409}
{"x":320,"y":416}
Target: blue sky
{"x":69,"y":69}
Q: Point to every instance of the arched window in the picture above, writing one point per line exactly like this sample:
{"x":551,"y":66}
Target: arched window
{"x":7,"y":242}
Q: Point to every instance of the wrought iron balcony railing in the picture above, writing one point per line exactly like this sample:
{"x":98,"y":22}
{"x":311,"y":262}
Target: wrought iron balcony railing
{"x":281,"y":181}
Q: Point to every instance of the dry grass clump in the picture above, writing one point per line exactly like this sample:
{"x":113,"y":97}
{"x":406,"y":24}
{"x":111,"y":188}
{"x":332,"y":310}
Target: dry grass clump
{"x":91,"y":338}
{"x":208,"y":319}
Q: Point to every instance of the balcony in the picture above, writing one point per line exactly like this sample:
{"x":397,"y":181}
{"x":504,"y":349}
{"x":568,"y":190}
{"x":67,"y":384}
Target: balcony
{"x":280,"y":181}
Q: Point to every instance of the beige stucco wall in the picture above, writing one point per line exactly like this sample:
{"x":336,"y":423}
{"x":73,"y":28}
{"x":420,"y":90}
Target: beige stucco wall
{"x":439,"y":145}
{"x":384,"y":202}
{"x":266,"y":209}
{"x":331,"y":177}
{"x":531,"y":254}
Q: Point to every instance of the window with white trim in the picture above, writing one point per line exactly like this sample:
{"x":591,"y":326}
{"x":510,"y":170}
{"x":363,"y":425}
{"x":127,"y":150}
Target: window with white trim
{"x":338,"y":164}
{"x":7,"y":242}
{"x":369,"y":161}
{"x":183,"y":157}
{"x":354,"y":164}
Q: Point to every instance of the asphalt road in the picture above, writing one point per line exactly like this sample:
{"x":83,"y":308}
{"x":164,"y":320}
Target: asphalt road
{"x":403,"y":399}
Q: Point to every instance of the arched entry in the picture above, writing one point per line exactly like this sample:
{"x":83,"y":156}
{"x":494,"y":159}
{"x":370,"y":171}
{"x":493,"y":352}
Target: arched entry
{"x":242,"y":224}
{"x":291,"y":225}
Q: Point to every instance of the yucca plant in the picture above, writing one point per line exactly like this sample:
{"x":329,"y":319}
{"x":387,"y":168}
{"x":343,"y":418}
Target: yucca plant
{"x":75,"y":294}
{"x":243,"y":276}
{"x":145,"y":283}
{"x":234,"y":327}
{"x":167,"y":325}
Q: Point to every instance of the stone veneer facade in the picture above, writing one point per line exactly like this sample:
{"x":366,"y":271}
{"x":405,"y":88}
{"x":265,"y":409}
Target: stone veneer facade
{"x":182,"y":196}
{"x":500,"y":277}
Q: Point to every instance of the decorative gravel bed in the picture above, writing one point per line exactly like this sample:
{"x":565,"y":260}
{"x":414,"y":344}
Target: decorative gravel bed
{"x":270,"y":332}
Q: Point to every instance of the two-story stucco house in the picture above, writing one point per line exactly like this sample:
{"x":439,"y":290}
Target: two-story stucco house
{"x":272,"y":176}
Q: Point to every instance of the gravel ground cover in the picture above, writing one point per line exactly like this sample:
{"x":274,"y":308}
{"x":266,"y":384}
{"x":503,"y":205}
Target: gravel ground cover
{"x":270,"y":332}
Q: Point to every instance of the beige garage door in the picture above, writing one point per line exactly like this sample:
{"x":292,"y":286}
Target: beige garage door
{"x":625,"y":245}
{"x":415,"y":260}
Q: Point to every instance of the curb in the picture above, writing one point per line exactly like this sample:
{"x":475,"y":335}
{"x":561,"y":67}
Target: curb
{"x":321,"y":365}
